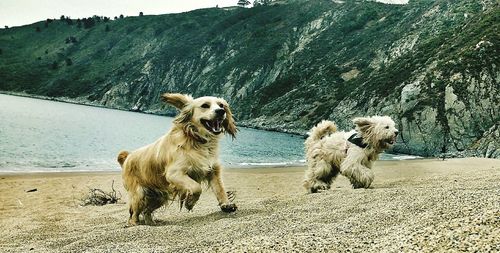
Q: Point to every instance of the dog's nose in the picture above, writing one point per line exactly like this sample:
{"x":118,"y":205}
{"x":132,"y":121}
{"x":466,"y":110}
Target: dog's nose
{"x":396,"y":132}
{"x":220,"y":112}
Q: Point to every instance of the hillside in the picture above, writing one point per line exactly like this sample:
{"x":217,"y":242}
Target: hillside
{"x":431,"y":65}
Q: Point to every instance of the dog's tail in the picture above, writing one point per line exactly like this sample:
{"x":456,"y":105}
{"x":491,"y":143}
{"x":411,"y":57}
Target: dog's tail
{"x":321,"y":130}
{"x":122,"y":157}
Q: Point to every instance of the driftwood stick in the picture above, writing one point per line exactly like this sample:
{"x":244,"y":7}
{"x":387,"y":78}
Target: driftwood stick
{"x":98,"y":197}
{"x":231,"y":195}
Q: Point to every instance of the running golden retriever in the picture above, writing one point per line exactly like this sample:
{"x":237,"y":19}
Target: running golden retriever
{"x":179,"y":162}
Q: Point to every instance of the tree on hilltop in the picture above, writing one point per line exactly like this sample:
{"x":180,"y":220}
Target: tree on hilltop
{"x":88,"y":22}
{"x":261,"y":2}
{"x":243,"y":3}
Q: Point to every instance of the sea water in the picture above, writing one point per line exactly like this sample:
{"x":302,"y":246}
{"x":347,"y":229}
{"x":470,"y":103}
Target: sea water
{"x":41,"y":135}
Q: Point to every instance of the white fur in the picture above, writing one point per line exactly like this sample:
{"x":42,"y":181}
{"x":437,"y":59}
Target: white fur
{"x":328,"y":152}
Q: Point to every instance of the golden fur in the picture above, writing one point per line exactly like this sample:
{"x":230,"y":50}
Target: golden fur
{"x":328,"y":152}
{"x":176,"y":164}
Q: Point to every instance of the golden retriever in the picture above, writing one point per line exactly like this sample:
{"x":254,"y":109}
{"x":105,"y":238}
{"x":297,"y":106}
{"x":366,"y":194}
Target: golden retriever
{"x":179,"y":162}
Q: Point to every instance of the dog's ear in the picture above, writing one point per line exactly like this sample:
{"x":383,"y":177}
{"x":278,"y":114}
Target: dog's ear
{"x":229,"y":123}
{"x":184,"y":116}
{"x":192,"y":132}
{"x":176,"y":99}
{"x":363,"y":124}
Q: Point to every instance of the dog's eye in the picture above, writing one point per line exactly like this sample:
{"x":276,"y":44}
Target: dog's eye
{"x":221,"y":105}
{"x":387,"y":127}
{"x":205,"y":105}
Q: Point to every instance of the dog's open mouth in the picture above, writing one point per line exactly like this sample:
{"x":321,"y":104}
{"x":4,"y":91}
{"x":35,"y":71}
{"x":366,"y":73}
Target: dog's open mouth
{"x":214,"y":126}
{"x":391,"y":141}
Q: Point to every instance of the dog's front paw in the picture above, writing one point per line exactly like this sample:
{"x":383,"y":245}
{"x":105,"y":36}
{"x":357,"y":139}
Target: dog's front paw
{"x":319,"y":187}
{"x":189,"y":205}
{"x":228,"y":208}
{"x":359,"y":185}
{"x":131,"y":223}
{"x":190,"y":200}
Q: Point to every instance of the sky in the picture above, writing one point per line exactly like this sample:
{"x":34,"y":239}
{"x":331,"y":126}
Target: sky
{"x":22,"y":12}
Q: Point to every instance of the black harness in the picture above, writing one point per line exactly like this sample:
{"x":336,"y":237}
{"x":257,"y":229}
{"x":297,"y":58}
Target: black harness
{"x":357,"y":140}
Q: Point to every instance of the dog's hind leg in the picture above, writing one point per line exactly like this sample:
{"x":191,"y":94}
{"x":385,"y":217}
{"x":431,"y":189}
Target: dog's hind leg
{"x":319,"y":176}
{"x":148,"y":218}
{"x":153,"y":199}
{"x":136,"y":206}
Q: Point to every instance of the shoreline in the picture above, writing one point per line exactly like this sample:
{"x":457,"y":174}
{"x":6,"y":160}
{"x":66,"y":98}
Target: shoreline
{"x":76,"y":102}
{"x":91,"y":172}
{"x":233,"y":167}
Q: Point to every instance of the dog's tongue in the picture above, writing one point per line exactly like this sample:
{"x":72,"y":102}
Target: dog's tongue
{"x":393,"y":140}
{"x":216,"y":126}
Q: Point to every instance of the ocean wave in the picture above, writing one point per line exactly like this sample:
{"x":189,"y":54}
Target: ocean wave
{"x":389,"y":157}
{"x":269,"y":164}
{"x":52,"y":170}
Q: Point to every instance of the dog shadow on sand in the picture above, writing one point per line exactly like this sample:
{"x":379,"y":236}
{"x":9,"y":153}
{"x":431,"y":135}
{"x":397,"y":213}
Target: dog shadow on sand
{"x":207,"y":218}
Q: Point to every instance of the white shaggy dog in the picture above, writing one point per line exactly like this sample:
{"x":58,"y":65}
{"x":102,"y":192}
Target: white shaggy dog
{"x":329,"y":152}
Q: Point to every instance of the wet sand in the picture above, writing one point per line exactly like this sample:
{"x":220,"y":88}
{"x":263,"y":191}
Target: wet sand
{"x":418,"y":205}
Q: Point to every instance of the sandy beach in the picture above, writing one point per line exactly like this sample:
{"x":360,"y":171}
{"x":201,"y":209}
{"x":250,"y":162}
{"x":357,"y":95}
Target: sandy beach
{"x":413,"y":206}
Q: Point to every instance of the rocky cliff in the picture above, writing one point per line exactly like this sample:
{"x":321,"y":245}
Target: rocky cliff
{"x":431,"y":65}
